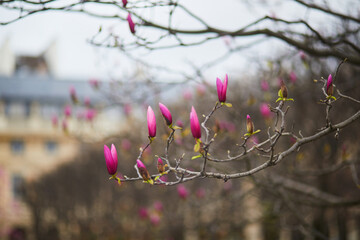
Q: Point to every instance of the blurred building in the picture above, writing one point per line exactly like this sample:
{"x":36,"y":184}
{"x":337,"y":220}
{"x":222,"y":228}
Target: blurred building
{"x":33,"y":138}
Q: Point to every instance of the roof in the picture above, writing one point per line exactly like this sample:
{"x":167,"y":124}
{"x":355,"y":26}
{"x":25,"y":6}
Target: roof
{"x":44,"y":89}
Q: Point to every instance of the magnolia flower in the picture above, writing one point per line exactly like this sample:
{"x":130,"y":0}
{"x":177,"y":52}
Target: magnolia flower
{"x":155,"y":219}
{"x":90,"y":114}
{"x":200,"y":193}
{"x":194,"y":124}
{"x":292,"y":76}
{"x":131,"y":24}
{"x":87,"y":101}
{"x":94,"y":83}
{"x":221,"y":88}
{"x":111,"y":159}
{"x":143,"y":171}
{"x":124,"y":3}
{"x":302,"y":55}
{"x":182,"y":192}
{"x":143,"y":213}
{"x":249,"y":124}
{"x":73,"y":94}
{"x":158,"y":206}
{"x":329,"y":86}
{"x":265,"y":111}
{"x":161,"y":166}
{"x":65,"y":126}
{"x":67,"y":110}
{"x":151,"y":121}
{"x":166,"y":114}
{"x":264,"y":86}
{"x":54,"y":120}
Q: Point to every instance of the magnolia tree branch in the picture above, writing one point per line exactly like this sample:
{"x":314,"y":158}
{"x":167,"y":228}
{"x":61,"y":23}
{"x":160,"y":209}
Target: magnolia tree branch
{"x":314,"y":42}
{"x":265,"y":149}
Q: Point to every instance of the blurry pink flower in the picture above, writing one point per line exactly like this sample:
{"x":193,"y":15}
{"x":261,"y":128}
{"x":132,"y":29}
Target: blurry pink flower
{"x":200,"y":193}
{"x":187,"y":94}
{"x":65,"y":126}
{"x":166,"y":114}
{"x":143,"y":213}
{"x":329,"y":86}
{"x":201,"y":89}
{"x":194,"y":124}
{"x":111,"y":159}
{"x":182,"y":192}
{"x":265,"y":111}
{"x":124,"y":3}
{"x":125,"y":144}
{"x":302,"y":55}
{"x":151,"y":121}
{"x":54,"y":120}
{"x":155,"y":219}
{"x":94,"y":83}
{"x":73,"y":94}
{"x":158,"y":206}
{"x":67,"y":110}
{"x":221,"y":88}
{"x":293,"y":77}
{"x":90,"y":114}
{"x":87,"y":101}
{"x":264,"y":86}
{"x":180,"y":123}
{"x":131,"y":24}
{"x":127,"y":109}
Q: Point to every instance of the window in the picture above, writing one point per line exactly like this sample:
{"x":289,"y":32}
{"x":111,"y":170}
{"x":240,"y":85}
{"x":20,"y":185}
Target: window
{"x":17,"y":146}
{"x":18,"y":188}
{"x":51,"y":146}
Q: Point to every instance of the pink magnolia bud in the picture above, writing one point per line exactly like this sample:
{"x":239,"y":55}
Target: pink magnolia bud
{"x":143,"y":213}
{"x":64,"y":125}
{"x":127,"y":109}
{"x":187,"y":94}
{"x":265,"y":111}
{"x":67,"y":111}
{"x":131,"y":24}
{"x":182,"y":192}
{"x":293,"y":77}
{"x":283,"y":89}
{"x":73,"y":94}
{"x":201,"y":89}
{"x":94,"y":83}
{"x":87,"y":101}
{"x":302,"y":55}
{"x":221,"y":88}
{"x":126,"y":144}
{"x":124,"y":3}
{"x":180,"y":123}
{"x":166,"y":114}
{"x":249,"y":124}
{"x":264,"y":86}
{"x":329,"y":86}
{"x":158,"y":206}
{"x":155,"y":219}
{"x":111,"y":159}
{"x":160,"y":166}
{"x":142,"y":170}
{"x":90,"y":114}
{"x":151,"y":121}
{"x":194,"y":124}
{"x":54,"y":120}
